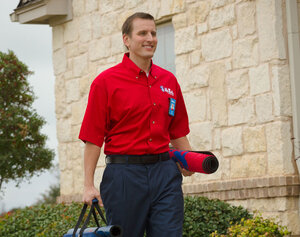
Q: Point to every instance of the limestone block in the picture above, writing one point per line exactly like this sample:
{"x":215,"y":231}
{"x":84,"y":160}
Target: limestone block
{"x":217,"y":95}
{"x":71,"y":32}
{"x":74,"y":135}
{"x":72,"y":90}
{"x":63,"y":129}
{"x":198,"y":13}
{"x":182,"y":65}
{"x":245,"y":53}
{"x":84,"y":85}
{"x":202,"y":28}
{"x":246,"y":18}
{"x":216,"y":45}
{"x":270,"y":29}
{"x":109,"y":23}
{"x":59,"y":61}
{"x":96,"y":25}
{"x":57,"y":37}
{"x":202,"y":136}
{"x":279,"y":147}
{"x":241,"y":111}
{"x":80,"y":65}
{"x":61,"y":108}
{"x":179,"y":21}
{"x":105,"y":6}
{"x":248,"y":166}
{"x":291,"y":219}
{"x":99,"y":49}
{"x":78,"y":7}
{"x":66,"y":182}
{"x":72,"y":49}
{"x":168,"y":7}
{"x":196,"y":78}
{"x":254,"y":139}
{"x":234,"y":32}
{"x":270,"y":205}
{"x":232,"y":143}
{"x":196,"y":105}
{"x":217,"y":139}
{"x":117,"y":45}
{"x":220,"y":3}
{"x":195,"y":57}
{"x":78,"y":175}
{"x":74,"y":153}
{"x":281,"y":88}
{"x":185,"y":40}
{"x":259,"y":79}
{"x":118,"y":4}
{"x":237,"y":83}
{"x":222,"y":16}
{"x":78,"y":109}
{"x":91,"y":5}
{"x":64,"y":163}
{"x":264,"y":108}
{"x":85,"y":29}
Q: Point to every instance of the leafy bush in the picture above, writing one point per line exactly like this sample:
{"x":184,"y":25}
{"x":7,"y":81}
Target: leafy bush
{"x":41,"y":220}
{"x":255,"y":227}
{"x":203,"y":216}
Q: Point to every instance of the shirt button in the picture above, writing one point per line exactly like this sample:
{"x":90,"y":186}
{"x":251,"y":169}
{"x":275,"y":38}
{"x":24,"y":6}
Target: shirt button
{"x":137,"y":77}
{"x":153,"y":122}
{"x":150,"y":86}
{"x":150,"y":140}
{"x":155,"y":77}
{"x":154,"y":103}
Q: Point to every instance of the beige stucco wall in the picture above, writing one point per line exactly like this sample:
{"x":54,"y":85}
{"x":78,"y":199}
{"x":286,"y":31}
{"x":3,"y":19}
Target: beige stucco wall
{"x":232,"y":64}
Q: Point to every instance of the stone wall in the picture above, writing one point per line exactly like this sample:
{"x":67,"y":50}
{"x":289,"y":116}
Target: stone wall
{"x":232,"y":65}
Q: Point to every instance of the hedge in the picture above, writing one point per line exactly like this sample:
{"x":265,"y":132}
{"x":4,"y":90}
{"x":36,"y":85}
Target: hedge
{"x":202,"y":217}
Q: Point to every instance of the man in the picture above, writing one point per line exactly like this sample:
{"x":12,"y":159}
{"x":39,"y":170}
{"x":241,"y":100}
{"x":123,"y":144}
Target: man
{"x":137,"y":108}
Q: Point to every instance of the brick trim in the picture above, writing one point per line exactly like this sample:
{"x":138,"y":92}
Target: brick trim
{"x":254,"y":188}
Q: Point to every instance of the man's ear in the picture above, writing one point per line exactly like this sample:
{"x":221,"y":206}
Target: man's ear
{"x":126,"y":40}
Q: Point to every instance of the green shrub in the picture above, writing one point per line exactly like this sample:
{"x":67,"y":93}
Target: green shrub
{"x":44,"y":220}
{"x":203,"y":216}
{"x":256,"y":227}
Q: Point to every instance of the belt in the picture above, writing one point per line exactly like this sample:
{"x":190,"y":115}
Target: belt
{"x":137,"y":159}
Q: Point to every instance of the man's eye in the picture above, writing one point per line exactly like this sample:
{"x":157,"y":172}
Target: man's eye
{"x":153,"y":33}
{"x":143,"y":33}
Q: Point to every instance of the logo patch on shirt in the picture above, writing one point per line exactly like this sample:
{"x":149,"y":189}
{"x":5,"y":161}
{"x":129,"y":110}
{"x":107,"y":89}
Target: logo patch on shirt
{"x":167,"y":90}
{"x":172,"y":107}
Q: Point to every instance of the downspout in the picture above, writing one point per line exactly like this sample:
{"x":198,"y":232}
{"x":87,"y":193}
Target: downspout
{"x":294,"y":63}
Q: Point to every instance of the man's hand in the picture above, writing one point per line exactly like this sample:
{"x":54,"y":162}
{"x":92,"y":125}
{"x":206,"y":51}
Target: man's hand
{"x":183,"y":171}
{"x":91,"y":193}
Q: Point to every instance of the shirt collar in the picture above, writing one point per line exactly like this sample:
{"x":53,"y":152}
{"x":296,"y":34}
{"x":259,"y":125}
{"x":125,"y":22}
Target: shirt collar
{"x":129,"y":64}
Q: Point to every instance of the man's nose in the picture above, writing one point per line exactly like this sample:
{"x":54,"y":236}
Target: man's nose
{"x":149,"y":37}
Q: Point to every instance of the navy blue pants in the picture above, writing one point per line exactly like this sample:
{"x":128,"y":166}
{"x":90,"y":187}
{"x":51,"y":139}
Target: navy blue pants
{"x":144,"y":198}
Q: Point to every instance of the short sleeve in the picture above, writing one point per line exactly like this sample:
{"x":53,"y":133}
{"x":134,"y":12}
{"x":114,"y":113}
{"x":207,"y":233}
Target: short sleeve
{"x":93,"y":127}
{"x":179,"y":126}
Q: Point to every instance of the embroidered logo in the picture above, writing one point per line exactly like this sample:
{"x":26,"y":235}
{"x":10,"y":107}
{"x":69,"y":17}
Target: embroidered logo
{"x":168,"y":90}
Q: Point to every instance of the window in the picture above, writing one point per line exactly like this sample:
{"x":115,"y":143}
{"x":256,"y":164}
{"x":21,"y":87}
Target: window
{"x":164,"y":55}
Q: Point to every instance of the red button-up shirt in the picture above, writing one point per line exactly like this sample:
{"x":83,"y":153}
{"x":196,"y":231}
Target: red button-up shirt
{"x":130,"y":111}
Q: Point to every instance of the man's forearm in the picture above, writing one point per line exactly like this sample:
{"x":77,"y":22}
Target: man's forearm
{"x":181,"y":143}
{"x":91,"y":156}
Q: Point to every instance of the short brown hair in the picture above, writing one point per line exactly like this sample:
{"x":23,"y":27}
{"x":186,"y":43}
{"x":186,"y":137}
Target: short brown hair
{"x":127,"y":26}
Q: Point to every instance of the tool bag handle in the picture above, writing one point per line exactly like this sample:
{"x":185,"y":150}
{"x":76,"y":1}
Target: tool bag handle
{"x":92,"y":211}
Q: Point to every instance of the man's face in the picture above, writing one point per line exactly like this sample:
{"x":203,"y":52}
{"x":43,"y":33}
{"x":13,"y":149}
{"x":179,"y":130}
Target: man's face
{"x":142,"y":41}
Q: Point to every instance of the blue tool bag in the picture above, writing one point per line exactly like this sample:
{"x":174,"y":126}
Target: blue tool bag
{"x":105,"y":231}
